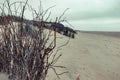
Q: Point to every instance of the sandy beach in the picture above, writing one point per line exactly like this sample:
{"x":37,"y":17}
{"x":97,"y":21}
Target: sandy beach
{"x":90,"y":56}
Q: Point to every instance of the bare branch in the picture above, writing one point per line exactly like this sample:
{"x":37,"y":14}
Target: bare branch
{"x":62,"y":15}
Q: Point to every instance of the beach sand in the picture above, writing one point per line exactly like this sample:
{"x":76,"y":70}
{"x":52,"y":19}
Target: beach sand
{"x":3,"y":76}
{"x":90,"y":56}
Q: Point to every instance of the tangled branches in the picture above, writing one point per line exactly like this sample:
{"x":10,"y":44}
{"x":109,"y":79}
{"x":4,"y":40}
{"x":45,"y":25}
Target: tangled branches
{"x":25,"y":46}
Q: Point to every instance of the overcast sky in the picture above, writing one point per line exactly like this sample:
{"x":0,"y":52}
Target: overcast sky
{"x":86,"y":14}
{"x":90,"y":14}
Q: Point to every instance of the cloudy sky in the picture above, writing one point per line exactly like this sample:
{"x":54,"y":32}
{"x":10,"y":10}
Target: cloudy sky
{"x":92,"y":15}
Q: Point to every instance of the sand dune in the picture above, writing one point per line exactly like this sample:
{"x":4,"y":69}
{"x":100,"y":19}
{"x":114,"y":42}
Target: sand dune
{"x":92,"y":56}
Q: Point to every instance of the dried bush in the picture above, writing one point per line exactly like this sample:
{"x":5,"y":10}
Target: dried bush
{"x":26,"y":47}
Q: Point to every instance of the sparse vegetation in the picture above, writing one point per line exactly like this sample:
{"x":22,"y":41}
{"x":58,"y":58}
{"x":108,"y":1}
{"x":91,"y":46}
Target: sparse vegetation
{"x":25,"y":47}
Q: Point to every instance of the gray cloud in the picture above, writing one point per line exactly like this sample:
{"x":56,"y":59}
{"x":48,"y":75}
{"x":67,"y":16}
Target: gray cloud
{"x":114,"y":12}
{"x":89,"y":15}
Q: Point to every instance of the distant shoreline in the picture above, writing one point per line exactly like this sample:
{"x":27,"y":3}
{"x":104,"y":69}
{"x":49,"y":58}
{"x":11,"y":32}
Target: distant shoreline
{"x":105,"y":33}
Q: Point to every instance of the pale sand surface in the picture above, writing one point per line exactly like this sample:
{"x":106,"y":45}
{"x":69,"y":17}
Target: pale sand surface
{"x":3,"y":76}
{"x":92,"y":56}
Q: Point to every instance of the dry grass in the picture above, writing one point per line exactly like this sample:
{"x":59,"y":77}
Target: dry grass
{"x":24,"y":54}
